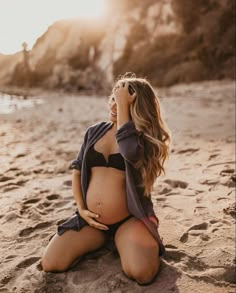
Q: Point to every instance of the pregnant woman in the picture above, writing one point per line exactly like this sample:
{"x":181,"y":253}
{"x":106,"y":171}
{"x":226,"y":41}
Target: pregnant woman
{"x":112,"y":180}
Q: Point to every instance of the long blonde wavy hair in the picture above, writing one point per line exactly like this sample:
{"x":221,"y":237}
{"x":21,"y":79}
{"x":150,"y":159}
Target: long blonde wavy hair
{"x":146,"y":114}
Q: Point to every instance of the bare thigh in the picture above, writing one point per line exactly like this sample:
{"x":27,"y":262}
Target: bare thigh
{"x":63,"y":250}
{"x":138,"y":250}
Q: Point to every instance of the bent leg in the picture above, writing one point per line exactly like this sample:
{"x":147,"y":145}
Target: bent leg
{"x":63,"y":250}
{"x":138,"y":250}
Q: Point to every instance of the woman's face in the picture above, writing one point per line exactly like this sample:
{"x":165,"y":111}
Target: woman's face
{"x":112,"y":110}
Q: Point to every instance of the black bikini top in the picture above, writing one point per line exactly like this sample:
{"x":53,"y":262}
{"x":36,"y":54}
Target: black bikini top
{"x":95,"y":159}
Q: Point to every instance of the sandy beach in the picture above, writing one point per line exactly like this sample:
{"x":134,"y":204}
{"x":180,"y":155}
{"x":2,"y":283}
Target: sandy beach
{"x":194,"y":201}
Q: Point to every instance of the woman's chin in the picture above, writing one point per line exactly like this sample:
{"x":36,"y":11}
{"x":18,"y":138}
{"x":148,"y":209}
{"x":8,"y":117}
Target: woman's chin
{"x":112,"y":118}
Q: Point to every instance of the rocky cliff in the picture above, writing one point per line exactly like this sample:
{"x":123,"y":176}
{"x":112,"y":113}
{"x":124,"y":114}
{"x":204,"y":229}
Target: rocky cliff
{"x":166,"y":41}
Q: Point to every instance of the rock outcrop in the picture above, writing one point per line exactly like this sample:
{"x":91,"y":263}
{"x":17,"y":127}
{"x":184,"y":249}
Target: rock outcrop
{"x":167,"y":41}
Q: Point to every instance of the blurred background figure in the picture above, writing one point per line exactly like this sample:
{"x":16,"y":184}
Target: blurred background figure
{"x":26,"y":69}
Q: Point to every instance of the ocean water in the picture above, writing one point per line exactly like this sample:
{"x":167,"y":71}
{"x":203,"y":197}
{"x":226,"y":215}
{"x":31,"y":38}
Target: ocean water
{"x":12,"y":103}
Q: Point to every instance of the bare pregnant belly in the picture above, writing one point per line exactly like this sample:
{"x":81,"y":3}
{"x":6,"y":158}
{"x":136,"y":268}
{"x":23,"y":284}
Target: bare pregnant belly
{"x":106,"y":194}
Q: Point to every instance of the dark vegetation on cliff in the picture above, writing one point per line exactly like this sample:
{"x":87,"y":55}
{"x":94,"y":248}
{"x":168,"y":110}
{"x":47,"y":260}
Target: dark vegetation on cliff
{"x":205,"y":49}
{"x":72,"y":71}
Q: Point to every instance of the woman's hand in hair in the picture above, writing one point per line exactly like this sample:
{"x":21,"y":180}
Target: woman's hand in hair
{"x":122,"y":95}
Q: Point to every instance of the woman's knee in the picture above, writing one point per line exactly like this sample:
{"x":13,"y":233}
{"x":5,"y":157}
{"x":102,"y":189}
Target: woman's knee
{"x":50,"y":265}
{"x":142,"y":275}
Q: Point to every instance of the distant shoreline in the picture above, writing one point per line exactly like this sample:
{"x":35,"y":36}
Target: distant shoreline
{"x":38,"y":91}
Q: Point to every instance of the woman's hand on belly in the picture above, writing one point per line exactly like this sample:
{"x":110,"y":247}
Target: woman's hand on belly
{"x":90,"y":217}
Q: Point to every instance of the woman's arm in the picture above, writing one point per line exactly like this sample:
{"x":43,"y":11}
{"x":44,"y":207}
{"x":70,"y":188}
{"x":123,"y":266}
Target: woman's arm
{"x":128,"y":137}
{"x":123,"y":100}
{"x":130,"y":142}
{"x":76,"y":189}
{"x":123,"y":115}
{"x":76,"y":165}
{"x":87,"y":215}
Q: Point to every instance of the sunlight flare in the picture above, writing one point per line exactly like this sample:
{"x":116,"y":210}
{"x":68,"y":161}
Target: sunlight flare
{"x":26,"y":20}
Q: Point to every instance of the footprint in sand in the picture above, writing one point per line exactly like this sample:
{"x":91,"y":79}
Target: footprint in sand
{"x":174,"y":254}
{"x":44,"y":204}
{"x":6,"y":276}
{"x":20,"y":155}
{"x":205,"y":237}
{"x":169,"y":206}
{"x":53,"y":196}
{"x":228,"y":181}
{"x":160,"y":199}
{"x":21,"y":182}
{"x":44,"y":191}
{"x":10,"y":186}
{"x":201,"y":210}
{"x":5,"y":178}
{"x":61,"y":169}
{"x":198,"y":191}
{"x":172,"y":193}
{"x":176,"y":183}
{"x":54,"y":283}
{"x":212,"y":156}
{"x":170,"y":246}
{"x":29,"y":230}
{"x":27,"y":204}
{"x":228,"y":177}
{"x":15,"y":184}
{"x":9,"y":258}
{"x":68,"y":183}
{"x":11,"y":216}
{"x":30,"y":201}
{"x":233,"y":178}
{"x":27,"y":262}
{"x":59,"y":205}
{"x":179,"y":256}
{"x":231,"y":210}
{"x":38,"y":170}
{"x":116,"y":282}
{"x":23,"y":173}
{"x":201,"y":226}
{"x":13,"y":169}
{"x":226,"y":172}
{"x":57,"y":201}
{"x":184,"y":237}
{"x":85,"y":276}
{"x":209,"y":181}
{"x":189,"y":150}
{"x":165,"y":190}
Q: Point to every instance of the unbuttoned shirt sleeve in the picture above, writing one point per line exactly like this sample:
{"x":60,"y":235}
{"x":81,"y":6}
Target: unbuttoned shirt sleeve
{"x":130,"y":142}
{"x":131,"y":146}
{"x":77,"y":163}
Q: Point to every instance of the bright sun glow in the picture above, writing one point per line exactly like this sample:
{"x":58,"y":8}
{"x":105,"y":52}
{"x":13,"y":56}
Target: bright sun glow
{"x":25,"y":20}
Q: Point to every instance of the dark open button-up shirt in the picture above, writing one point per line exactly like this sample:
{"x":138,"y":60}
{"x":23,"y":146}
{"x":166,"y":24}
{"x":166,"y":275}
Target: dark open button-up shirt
{"x":131,"y":146}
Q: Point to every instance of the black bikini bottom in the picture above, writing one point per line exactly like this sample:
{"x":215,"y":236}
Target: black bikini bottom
{"x":114,"y":227}
{"x":76,"y":223}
